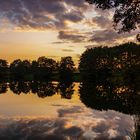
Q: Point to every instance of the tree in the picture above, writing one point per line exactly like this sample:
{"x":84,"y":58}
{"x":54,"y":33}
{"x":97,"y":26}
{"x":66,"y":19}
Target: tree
{"x":20,"y":68}
{"x":100,"y":63}
{"x":66,"y":68}
{"x":15,"y":68}
{"x":127,"y":13}
{"x":3,"y":67}
{"x":44,"y":67}
{"x":96,"y":64}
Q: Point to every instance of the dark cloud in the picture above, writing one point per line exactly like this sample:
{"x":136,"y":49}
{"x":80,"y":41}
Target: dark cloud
{"x":59,"y":42}
{"x":103,"y":22}
{"x":56,"y":15}
{"x":109,"y":36}
{"x":73,"y":16}
{"x":71,"y":36}
{"x":41,"y":14}
{"x":104,"y":35}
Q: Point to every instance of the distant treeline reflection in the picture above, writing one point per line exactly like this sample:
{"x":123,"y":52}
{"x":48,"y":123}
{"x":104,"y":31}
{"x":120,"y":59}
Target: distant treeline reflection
{"x":41,"y":88}
{"x":122,"y":98}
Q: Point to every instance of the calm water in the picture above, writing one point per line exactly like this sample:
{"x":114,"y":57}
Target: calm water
{"x":66,"y":111}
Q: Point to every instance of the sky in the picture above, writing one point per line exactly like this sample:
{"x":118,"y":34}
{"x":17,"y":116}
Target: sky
{"x":54,"y":28}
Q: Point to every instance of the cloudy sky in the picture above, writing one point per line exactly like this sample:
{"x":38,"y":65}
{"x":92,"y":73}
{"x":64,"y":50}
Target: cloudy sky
{"x":54,"y":28}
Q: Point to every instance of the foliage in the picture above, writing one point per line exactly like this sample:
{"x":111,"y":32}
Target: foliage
{"x":41,"y":88}
{"x":102,"y":63}
{"x":43,"y":67}
{"x":19,"y":68}
{"x":66,"y":68}
{"x":3,"y":67}
{"x":127,"y":12}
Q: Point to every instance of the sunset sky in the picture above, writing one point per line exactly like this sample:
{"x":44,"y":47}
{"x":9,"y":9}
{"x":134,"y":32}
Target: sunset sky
{"x":54,"y":28}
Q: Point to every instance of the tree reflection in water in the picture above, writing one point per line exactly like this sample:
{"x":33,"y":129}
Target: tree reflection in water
{"x":41,"y":88}
{"x":3,"y":87}
{"x":120,"y":97}
{"x":116,"y":95}
{"x":66,"y":89}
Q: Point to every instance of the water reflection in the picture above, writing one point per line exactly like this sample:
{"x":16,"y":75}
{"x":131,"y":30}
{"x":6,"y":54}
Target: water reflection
{"x":41,"y":88}
{"x":73,"y":124}
{"x":66,"y":89}
{"x":103,"y":97}
{"x":98,"y":119}
{"x":3,"y":87}
{"x":122,"y":98}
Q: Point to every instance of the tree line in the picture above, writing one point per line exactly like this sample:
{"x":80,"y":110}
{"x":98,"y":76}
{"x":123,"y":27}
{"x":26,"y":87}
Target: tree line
{"x":42,"y":68}
{"x":99,"y":64}
{"x":42,"y":89}
{"x":117,"y":65}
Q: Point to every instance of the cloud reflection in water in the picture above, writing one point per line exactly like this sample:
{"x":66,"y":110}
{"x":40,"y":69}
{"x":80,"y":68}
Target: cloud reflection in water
{"x":75,"y":122}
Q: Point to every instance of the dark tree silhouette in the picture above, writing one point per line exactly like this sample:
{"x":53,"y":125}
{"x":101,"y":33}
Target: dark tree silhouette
{"x":102,"y":63}
{"x":19,"y":68}
{"x":111,"y":80}
{"x":3,"y":67}
{"x":127,"y":12}
{"x":66,"y":68}
{"x":95,"y":64}
{"x":126,"y":16}
{"x":34,"y":69}
{"x":44,"y":67}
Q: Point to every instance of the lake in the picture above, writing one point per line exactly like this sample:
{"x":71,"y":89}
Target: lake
{"x":38,"y":110}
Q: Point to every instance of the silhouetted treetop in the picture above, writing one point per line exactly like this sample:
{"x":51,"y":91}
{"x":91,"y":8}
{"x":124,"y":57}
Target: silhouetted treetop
{"x":3,"y":67}
{"x":127,"y":12}
{"x":101,"y":62}
{"x":20,"y":68}
{"x":3,"y":63}
{"x":66,"y":68}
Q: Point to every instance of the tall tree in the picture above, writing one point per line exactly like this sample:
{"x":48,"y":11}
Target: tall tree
{"x":20,"y":68}
{"x":44,"y":67}
{"x":66,"y":68}
{"x":100,"y":63}
{"x":3,"y":67}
